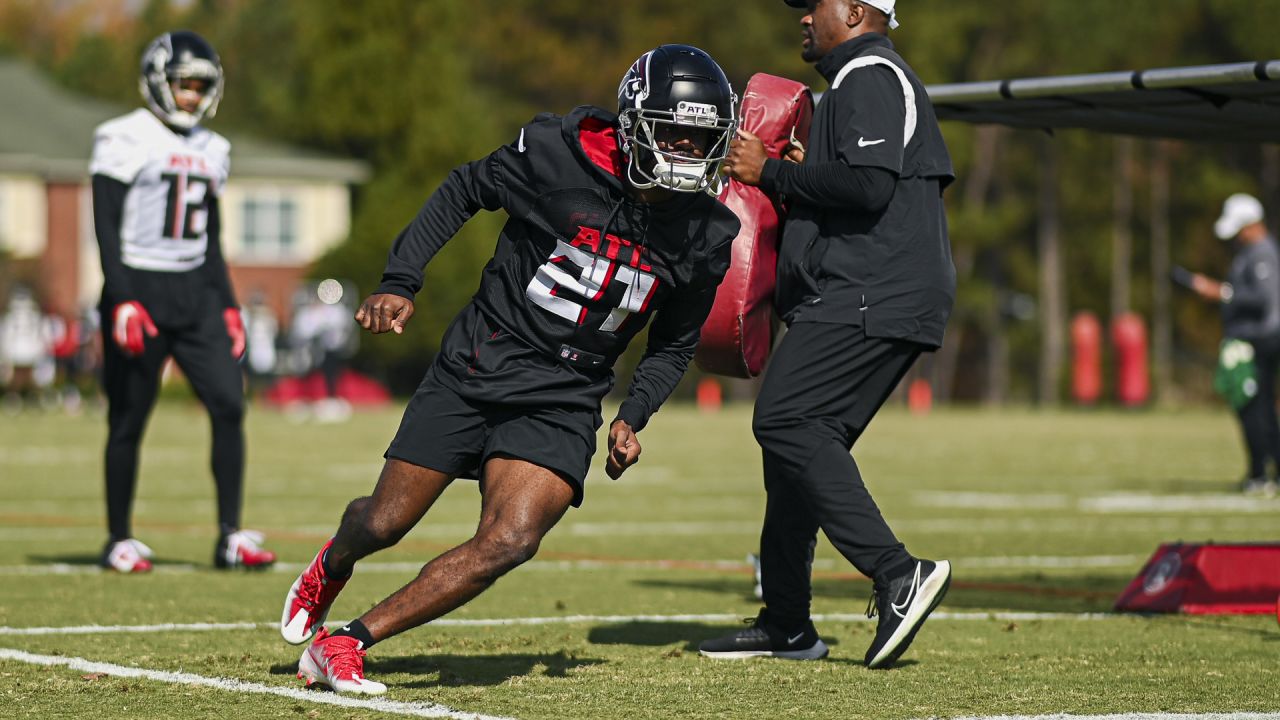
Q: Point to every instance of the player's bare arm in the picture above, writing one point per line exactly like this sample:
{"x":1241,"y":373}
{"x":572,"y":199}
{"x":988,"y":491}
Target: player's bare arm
{"x":624,"y":449}
{"x":384,"y":312}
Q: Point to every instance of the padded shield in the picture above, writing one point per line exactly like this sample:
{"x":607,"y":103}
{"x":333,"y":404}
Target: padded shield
{"x":738,"y":334}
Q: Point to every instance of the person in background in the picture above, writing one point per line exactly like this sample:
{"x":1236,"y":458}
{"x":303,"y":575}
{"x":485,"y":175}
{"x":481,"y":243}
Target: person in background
{"x":1250,"y":302}
{"x":262,"y":330}
{"x":26,"y":351}
{"x":157,"y":176}
{"x":865,"y":284}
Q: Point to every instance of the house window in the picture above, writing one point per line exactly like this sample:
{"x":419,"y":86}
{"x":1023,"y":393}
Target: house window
{"x":270,"y":228}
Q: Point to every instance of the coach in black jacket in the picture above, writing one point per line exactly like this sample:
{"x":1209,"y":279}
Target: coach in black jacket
{"x":865,"y":284}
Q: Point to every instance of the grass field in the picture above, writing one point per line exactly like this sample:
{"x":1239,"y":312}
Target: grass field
{"x":1046,"y":517}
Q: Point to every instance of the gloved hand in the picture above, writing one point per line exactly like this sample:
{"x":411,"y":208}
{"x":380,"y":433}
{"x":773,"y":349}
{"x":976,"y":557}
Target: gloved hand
{"x":130,"y":326}
{"x":235,"y":329}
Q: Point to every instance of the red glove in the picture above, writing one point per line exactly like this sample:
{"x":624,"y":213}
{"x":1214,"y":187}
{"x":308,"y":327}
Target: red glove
{"x":130,"y":322}
{"x":235,"y":329}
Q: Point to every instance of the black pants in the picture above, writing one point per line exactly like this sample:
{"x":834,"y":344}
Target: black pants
{"x":203,"y":350}
{"x":1258,"y":417}
{"x":823,"y":386}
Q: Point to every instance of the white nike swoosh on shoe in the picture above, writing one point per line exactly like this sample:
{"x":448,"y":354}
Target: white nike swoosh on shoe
{"x":794,"y":640}
{"x":863,"y":142}
{"x":901,"y":610}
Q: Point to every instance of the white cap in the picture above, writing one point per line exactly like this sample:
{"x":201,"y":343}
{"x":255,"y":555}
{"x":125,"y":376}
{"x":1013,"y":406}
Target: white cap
{"x":886,"y":7}
{"x":1238,"y":212}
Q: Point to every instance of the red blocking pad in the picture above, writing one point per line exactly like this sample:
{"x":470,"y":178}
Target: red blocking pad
{"x":738,"y":334}
{"x":1207,"y":579}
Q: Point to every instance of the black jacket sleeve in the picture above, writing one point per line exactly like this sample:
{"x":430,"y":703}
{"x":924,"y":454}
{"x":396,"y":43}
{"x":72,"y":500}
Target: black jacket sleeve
{"x":673,"y":337}
{"x":214,"y":264}
{"x":108,"y":210}
{"x":834,"y":184}
{"x":468,"y":189}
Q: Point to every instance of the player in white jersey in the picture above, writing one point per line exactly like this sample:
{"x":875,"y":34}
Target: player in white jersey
{"x":157,"y":175}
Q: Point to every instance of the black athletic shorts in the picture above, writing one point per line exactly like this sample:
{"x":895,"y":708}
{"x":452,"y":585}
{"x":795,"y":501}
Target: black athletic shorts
{"x":489,"y":394}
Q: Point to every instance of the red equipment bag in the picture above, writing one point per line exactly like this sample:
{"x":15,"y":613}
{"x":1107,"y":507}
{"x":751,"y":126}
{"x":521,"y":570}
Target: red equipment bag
{"x":1206,"y":579}
{"x":738,"y":334}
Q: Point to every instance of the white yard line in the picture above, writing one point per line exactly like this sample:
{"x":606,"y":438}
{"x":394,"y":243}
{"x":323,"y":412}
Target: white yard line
{"x":231,"y":684}
{"x":428,"y":710}
{"x":549,"y":620}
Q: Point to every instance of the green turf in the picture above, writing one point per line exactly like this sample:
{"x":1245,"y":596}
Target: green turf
{"x":993,"y":491}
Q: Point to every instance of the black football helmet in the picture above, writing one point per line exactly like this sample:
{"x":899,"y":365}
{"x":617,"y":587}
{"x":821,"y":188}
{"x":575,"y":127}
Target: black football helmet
{"x":174,"y":56}
{"x":675,"y":85}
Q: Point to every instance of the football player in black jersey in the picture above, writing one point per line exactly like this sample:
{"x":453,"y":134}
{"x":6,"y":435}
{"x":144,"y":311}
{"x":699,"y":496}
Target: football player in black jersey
{"x":157,"y":176}
{"x":613,"y":223}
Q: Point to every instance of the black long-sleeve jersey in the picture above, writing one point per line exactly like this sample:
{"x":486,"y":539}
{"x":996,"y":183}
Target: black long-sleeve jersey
{"x":581,"y":266}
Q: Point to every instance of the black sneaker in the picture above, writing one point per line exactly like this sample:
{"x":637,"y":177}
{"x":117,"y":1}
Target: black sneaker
{"x":903,"y":606}
{"x":764,"y":640}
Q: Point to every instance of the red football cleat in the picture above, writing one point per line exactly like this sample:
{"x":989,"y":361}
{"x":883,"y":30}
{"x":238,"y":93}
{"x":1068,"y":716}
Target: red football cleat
{"x":243,"y":549}
{"x":339,"y":663}
{"x":127,"y":556}
{"x":308,"y":602}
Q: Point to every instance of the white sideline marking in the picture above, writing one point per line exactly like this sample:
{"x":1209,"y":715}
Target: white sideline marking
{"x":554,"y":620}
{"x":996,"y":561}
{"x":1098,"y":504}
{"x":1133,"y":716}
{"x":1139,"y":503}
{"x":430,"y":710}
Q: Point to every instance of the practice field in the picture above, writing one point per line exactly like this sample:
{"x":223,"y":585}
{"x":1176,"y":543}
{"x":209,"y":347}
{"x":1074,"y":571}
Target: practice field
{"x":1045,"y":516}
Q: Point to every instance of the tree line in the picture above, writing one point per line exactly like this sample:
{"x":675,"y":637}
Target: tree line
{"x":1042,"y":226}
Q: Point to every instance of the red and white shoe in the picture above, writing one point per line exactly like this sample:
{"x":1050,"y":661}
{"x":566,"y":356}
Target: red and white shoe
{"x":242,"y":549}
{"x":308,"y":602}
{"x":127,"y":556}
{"x":339,"y":663}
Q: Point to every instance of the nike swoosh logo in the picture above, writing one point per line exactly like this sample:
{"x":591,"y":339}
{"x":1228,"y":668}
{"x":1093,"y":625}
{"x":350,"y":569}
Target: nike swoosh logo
{"x":863,"y":142}
{"x":794,"y":640}
{"x":520,"y":142}
{"x":900,"y":610}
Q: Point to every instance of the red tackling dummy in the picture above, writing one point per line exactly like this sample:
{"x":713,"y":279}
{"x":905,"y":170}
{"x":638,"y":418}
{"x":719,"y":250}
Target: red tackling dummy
{"x":738,"y":334}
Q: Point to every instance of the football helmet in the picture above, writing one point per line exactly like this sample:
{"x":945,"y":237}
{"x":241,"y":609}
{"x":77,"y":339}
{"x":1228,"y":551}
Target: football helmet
{"x":675,"y":91}
{"x":176,"y":56}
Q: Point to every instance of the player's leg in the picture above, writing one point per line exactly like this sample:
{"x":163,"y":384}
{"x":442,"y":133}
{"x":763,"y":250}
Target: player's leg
{"x":441,"y":436}
{"x":204,"y":354}
{"x":521,"y":503}
{"x":131,"y":385}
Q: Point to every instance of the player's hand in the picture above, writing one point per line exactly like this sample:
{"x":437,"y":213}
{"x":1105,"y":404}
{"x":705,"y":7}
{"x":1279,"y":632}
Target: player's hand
{"x":384,"y":312}
{"x":624,"y":449}
{"x":745,"y":161}
{"x":795,"y":152}
{"x":1206,"y":288}
{"x":130,"y":326}
{"x":235,"y":330}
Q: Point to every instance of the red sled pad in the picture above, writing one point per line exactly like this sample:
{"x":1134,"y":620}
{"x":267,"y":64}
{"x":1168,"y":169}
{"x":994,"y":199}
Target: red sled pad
{"x":1206,"y":580}
{"x":738,"y":334}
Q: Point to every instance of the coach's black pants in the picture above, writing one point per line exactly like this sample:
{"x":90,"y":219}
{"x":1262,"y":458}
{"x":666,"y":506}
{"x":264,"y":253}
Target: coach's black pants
{"x":824,"y":384}
{"x":203,"y":350}
{"x":1258,"y":417}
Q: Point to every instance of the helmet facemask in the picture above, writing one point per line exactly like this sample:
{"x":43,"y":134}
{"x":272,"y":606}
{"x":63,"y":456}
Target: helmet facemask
{"x":648,"y":165}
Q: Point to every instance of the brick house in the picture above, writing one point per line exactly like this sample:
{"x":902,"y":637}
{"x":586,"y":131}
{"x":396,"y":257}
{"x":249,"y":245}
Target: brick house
{"x":281,"y":209}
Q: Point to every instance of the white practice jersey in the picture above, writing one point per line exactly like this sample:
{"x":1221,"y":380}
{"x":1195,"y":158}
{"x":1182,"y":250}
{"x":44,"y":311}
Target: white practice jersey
{"x":171,"y":178}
